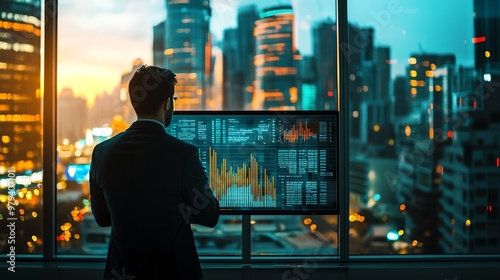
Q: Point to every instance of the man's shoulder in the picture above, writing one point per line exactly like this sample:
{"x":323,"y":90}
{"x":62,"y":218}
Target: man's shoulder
{"x":166,"y":139}
{"x":181,"y":144}
{"x":107,"y":142}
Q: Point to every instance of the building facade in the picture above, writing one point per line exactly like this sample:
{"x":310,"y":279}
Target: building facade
{"x":275,"y":60}
{"x":187,"y":50}
{"x":20,"y":95}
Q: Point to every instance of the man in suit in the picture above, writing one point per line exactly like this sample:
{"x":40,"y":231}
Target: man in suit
{"x":150,"y":187}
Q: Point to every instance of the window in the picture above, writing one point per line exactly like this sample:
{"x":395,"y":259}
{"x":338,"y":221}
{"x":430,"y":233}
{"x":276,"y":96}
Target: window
{"x":420,"y":97}
{"x":406,"y":58}
{"x":248,"y":55}
{"x":21,"y":186}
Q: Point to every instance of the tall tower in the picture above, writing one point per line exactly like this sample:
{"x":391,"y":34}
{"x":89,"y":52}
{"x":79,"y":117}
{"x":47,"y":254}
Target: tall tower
{"x":487,"y":54}
{"x":72,"y":118}
{"x":420,"y":69}
{"x":357,"y":66}
{"x":232,"y":75}
{"x":276,"y":85}
{"x":20,"y":104}
{"x":324,"y":45}
{"x":471,"y":193}
{"x":247,"y":16}
{"x":308,"y":78}
{"x":188,"y":50}
{"x":486,"y":40}
{"x":402,"y":97}
{"x":159,"y":44}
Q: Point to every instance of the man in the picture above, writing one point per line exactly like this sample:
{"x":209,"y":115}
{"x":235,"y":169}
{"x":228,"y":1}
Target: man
{"x":149,"y":187}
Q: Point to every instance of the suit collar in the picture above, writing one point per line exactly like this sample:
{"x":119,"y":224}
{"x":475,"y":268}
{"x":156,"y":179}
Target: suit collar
{"x":150,"y":120}
{"x":141,"y":124}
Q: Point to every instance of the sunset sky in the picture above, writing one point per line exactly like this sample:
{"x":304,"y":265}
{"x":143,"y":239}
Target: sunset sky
{"x":98,"y":40}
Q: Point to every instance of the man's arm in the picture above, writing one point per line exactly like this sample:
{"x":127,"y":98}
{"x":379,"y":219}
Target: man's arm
{"x":97,"y":201}
{"x":202,"y":207}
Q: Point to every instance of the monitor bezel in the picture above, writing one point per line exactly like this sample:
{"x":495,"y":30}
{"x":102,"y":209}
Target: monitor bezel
{"x":266,"y":211}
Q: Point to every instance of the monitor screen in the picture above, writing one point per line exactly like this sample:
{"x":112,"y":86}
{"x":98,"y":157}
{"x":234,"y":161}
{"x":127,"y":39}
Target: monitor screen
{"x":266,"y":162}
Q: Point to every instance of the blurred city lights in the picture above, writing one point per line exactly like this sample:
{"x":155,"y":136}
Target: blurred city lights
{"x":371,"y":177}
{"x":392,"y":235}
{"x":408,"y":131}
{"x":487,"y":77}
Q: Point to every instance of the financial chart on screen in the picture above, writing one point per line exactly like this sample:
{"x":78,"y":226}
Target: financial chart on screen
{"x":266,"y":162}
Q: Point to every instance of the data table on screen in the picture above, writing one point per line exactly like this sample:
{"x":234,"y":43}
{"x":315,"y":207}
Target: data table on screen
{"x":266,"y":162}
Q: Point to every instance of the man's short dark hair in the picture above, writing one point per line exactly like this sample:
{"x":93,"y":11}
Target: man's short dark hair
{"x":149,"y":87}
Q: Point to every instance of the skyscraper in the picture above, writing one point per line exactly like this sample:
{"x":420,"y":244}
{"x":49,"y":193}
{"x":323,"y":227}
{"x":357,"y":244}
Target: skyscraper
{"x":247,"y":16}
{"x":308,"y":81}
{"x":402,"y":97}
{"x":487,"y":53}
{"x":420,"y":69}
{"x":376,"y":120}
{"x":72,"y":117}
{"x":187,"y":50}
{"x":275,"y":60}
{"x":471,"y":164}
{"x":159,"y":44}
{"x":232,"y":74}
{"x":486,"y":39}
{"x":324,"y":45}
{"x":356,"y":51}
{"x":471,"y":193}
{"x":20,"y":104}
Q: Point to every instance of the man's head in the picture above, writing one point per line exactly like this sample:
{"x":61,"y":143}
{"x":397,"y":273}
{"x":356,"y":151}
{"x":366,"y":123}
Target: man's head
{"x":151,"y":89}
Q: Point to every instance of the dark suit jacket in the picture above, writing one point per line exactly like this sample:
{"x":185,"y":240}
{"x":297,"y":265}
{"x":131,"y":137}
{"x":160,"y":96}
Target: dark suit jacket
{"x":149,"y":187}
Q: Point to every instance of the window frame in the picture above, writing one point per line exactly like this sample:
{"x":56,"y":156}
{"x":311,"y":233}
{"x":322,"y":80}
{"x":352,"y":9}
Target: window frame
{"x":49,"y":75}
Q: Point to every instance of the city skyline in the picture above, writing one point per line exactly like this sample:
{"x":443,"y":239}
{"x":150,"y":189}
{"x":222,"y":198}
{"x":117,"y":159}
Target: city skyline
{"x":424,"y":162}
{"x":98,"y":66}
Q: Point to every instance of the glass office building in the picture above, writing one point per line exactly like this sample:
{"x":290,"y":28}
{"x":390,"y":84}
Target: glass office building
{"x":416,"y":84}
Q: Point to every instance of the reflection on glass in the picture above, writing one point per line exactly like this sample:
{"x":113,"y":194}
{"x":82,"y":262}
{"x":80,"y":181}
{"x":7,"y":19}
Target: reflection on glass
{"x":21,"y":190}
{"x":223,"y":239}
{"x":424,"y":165}
{"x":314,"y":235}
{"x":228,"y":55}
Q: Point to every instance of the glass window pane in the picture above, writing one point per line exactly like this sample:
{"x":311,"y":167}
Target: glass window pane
{"x":223,"y":239}
{"x":424,"y":165}
{"x":221,"y":64}
{"x":21,"y":188}
{"x":294,"y":235}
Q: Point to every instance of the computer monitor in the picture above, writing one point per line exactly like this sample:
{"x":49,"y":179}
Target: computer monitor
{"x":266,"y":162}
